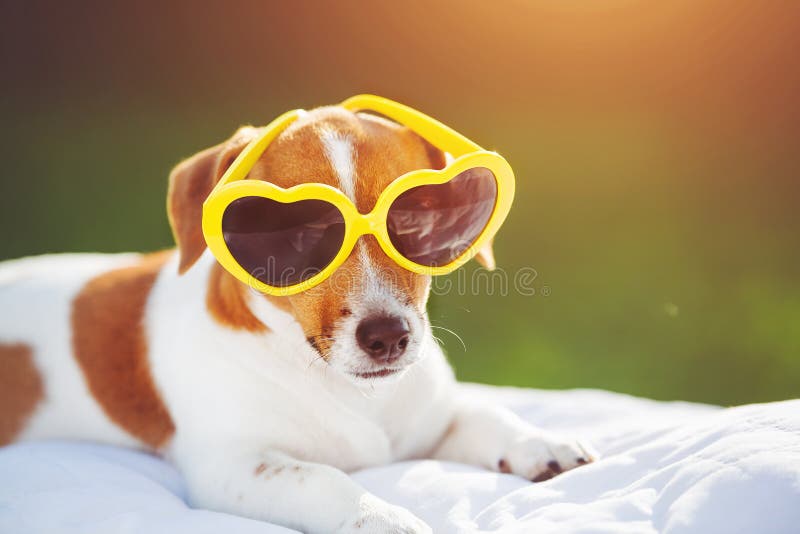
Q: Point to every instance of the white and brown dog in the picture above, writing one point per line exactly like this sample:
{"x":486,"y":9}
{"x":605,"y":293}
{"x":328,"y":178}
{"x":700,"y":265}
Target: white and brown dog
{"x":264,"y":403}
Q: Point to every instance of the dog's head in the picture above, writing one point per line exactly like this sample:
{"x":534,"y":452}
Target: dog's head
{"x":368,"y":319}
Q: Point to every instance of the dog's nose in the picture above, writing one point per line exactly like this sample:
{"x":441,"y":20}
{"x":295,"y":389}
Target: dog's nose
{"x":384,"y":339}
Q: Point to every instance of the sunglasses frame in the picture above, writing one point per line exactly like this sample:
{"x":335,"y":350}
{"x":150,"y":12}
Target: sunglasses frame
{"x":467,"y":155}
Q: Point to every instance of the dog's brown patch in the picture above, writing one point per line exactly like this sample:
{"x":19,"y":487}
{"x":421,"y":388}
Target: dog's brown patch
{"x":226,"y":300}
{"x":21,"y":389}
{"x":260,"y":468}
{"x":503,"y":466}
{"x":111,"y":347}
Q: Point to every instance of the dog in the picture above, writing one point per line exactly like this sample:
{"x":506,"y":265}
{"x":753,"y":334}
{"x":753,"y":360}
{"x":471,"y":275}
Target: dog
{"x":264,"y":403}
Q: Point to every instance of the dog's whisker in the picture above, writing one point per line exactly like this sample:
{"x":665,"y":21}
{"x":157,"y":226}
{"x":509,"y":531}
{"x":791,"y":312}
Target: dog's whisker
{"x":464,"y":345}
{"x":315,"y":360}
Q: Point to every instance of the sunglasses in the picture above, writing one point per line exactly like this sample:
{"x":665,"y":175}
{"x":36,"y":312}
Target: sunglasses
{"x":284,"y":241}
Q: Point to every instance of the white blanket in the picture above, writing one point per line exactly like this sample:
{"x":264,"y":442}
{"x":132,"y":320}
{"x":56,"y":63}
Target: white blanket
{"x":666,"y":467}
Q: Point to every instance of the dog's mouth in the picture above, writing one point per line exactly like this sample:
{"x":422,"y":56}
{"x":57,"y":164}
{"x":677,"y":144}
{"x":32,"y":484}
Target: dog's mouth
{"x":381,"y":373}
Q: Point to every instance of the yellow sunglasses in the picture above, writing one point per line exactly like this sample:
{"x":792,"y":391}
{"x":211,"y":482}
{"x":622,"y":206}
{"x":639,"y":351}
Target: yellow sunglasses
{"x":284,"y":241}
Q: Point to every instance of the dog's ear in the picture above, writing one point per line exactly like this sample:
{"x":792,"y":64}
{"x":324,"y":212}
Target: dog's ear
{"x":437,"y":157}
{"x":485,"y":256}
{"x":190,"y":182}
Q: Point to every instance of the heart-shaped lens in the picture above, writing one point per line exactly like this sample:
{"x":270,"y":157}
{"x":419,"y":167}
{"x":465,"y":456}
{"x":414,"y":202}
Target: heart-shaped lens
{"x":282,"y":244}
{"x":433,"y":225}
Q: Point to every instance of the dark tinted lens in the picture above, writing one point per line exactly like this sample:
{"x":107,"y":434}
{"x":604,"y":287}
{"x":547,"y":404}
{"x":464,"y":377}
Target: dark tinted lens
{"x":282,"y":244}
{"x":434,"y":224}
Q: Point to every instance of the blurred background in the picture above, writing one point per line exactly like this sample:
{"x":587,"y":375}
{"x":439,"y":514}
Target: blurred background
{"x":656,"y":147}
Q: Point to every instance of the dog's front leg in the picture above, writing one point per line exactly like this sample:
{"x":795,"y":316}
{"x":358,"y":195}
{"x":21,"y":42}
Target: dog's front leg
{"x":495,"y":438}
{"x":309,"y":497}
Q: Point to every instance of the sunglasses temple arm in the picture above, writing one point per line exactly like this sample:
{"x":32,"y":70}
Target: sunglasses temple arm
{"x":433,"y":131}
{"x":244,"y":162}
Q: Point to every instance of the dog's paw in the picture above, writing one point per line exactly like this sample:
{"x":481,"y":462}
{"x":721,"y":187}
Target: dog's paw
{"x":540,"y":456}
{"x":379,"y":517}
